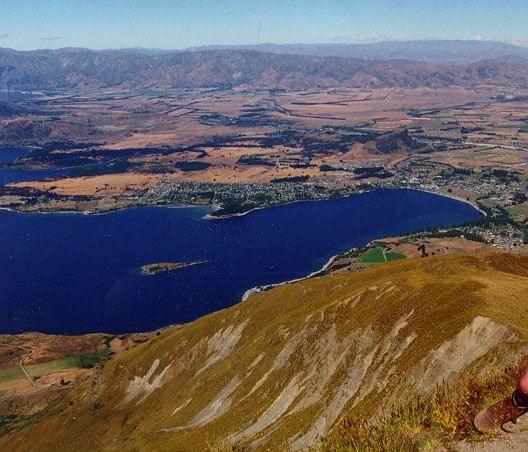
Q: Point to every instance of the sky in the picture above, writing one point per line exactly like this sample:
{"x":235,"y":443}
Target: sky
{"x":177,"y":24}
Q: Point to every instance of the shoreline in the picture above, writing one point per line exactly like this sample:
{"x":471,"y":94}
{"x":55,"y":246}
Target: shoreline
{"x":215,"y":207}
{"x":105,"y":212}
{"x":258,"y":289}
{"x":254,"y":209}
{"x":448,"y":195}
{"x":316,"y":273}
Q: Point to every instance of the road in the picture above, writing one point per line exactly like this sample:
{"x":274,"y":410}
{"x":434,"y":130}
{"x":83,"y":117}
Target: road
{"x":384,"y":255}
{"x":26,"y":374}
{"x":21,"y":362}
{"x":495,"y":145}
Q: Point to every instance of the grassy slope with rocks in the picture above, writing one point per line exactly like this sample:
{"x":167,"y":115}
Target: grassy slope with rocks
{"x":301,"y":363}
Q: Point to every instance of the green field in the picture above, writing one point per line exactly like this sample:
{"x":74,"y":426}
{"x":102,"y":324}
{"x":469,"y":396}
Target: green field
{"x":519,"y":209}
{"x":488,"y":203}
{"x":375,"y":256}
{"x":35,"y":370}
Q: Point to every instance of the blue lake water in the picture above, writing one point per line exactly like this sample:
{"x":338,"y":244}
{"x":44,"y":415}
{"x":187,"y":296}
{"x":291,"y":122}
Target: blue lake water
{"x":72,"y":273}
{"x":15,"y":174}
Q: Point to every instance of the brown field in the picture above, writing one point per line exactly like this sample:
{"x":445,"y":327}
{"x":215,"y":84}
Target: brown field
{"x":457,"y":245}
{"x":96,"y":186}
{"x":490,"y":134}
{"x":154,"y":118}
{"x":408,"y":247}
{"x":50,"y":361}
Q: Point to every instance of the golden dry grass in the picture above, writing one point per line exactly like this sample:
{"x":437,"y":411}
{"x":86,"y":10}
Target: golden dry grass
{"x":427,"y":423}
{"x":438,"y":296}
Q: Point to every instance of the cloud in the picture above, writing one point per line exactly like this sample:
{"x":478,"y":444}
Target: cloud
{"x":4,"y":35}
{"x":476,"y":38}
{"x":51,"y":38}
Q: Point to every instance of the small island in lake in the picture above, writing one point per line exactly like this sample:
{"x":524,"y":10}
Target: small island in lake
{"x":158,"y":267}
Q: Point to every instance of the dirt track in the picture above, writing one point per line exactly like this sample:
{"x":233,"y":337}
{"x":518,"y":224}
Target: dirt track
{"x":21,"y":362}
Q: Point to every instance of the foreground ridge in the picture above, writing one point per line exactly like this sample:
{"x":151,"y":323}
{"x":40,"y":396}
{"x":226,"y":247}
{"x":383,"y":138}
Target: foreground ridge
{"x":285,"y":366}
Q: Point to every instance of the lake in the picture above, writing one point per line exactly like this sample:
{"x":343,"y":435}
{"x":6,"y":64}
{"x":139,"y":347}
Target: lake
{"x":73,"y":273}
{"x":18,"y":174}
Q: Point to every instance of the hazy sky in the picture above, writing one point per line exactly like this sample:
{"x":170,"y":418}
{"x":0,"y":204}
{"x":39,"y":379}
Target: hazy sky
{"x":173,"y":24}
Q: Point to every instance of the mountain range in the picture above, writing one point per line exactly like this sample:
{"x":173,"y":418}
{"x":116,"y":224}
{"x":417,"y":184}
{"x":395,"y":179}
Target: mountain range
{"x":441,"y":51}
{"x":80,"y":69}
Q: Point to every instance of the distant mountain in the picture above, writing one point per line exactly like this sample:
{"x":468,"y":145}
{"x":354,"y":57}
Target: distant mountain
{"x":430,"y":51}
{"x":78,"y":69}
{"x":144,"y":50}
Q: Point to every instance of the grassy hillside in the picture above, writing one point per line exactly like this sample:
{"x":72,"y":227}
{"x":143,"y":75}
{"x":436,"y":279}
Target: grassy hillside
{"x":287,"y":366}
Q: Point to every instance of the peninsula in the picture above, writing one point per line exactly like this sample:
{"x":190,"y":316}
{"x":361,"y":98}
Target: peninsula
{"x":158,"y":267}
